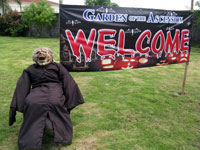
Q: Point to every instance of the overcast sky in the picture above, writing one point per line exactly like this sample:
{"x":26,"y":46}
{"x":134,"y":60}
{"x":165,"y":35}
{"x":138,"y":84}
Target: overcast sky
{"x":156,"y":4}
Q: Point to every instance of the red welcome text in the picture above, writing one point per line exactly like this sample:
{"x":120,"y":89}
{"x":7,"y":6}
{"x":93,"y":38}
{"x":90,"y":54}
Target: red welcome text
{"x":108,"y":46}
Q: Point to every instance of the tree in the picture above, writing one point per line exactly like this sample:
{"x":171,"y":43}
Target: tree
{"x":39,"y":15}
{"x":19,"y":2}
{"x":100,"y":3}
{"x":197,"y":4}
{"x":11,"y":24}
{"x":5,"y":7}
{"x":197,"y":13}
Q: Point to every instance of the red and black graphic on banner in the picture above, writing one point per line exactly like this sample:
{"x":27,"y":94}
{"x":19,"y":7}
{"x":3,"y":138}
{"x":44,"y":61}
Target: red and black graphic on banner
{"x":116,"y":38}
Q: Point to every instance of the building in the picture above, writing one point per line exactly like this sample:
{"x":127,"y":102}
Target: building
{"x":15,"y":6}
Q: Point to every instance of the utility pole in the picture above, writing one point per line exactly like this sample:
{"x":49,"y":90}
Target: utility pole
{"x":192,"y":5}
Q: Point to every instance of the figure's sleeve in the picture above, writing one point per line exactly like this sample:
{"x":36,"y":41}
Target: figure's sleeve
{"x":21,"y":91}
{"x":71,"y":90}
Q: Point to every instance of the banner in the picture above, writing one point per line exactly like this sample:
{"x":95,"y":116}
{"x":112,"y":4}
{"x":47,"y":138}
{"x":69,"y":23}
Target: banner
{"x":117,"y":38}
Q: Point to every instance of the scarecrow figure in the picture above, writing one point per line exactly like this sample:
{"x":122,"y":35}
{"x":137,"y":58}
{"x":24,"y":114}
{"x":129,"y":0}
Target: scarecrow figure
{"x":45,"y":91}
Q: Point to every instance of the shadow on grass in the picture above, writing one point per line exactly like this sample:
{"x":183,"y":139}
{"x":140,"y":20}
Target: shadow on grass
{"x":48,"y":141}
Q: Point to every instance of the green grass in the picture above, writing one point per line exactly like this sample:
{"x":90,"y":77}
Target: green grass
{"x":124,"y":110}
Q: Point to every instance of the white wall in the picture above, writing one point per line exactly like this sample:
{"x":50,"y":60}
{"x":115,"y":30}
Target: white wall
{"x":1,"y":11}
{"x":56,"y":8}
{"x":16,"y":6}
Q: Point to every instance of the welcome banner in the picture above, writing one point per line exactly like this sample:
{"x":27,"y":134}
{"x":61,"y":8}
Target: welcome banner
{"x":116,"y":38}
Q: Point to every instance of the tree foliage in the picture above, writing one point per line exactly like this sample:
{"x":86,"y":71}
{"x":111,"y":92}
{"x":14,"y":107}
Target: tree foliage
{"x":197,"y":13}
{"x":11,"y":24}
{"x":100,"y":3}
{"x":39,"y":15}
{"x":19,"y":2}
{"x":5,"y":7}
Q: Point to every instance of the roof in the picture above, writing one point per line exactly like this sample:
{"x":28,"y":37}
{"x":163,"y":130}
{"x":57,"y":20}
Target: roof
{"x":35,"y":1}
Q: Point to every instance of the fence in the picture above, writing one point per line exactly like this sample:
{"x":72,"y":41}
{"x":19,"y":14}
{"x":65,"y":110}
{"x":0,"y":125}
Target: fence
{"x":54,"y":31}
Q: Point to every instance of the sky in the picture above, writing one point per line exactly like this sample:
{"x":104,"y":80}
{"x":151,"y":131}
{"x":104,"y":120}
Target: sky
{"x":155,"y":4}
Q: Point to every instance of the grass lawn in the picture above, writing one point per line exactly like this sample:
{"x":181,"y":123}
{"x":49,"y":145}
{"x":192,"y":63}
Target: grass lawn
{"x":124,"y":110}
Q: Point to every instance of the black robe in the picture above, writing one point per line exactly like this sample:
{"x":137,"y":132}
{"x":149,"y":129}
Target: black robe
{"x":41,"y":92}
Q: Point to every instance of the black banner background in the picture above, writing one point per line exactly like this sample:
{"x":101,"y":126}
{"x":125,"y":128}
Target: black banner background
{"x":105,"y":25}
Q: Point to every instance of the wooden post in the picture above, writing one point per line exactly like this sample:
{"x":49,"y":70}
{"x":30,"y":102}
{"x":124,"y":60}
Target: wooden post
{"x":184,"y":79}
{"x":187,"y":63}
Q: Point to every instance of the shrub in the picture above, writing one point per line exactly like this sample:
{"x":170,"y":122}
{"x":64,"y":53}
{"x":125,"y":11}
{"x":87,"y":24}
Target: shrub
{"x":11,"y":24}
{"x":39,"y":15}
{"x":3,"y":25}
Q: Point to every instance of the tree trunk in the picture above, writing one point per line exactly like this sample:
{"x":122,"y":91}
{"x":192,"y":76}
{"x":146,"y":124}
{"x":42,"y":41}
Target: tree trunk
{"x":20,"y":7}
{"x":3,"y":8}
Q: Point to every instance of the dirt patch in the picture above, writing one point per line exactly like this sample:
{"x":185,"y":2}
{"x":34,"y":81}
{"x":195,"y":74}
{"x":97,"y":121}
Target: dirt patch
{"x":89,"y":105}
{"x":83,"y":79}
{"x":104,"y":133}
{"x":91,"y":143}
{"x":137,"y":147}
{"x":117,"y":75}
{"x":137,"y":80}
{"x":83,"y":82}
{"x":23,"y":62}
{"x":90,"y":109}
